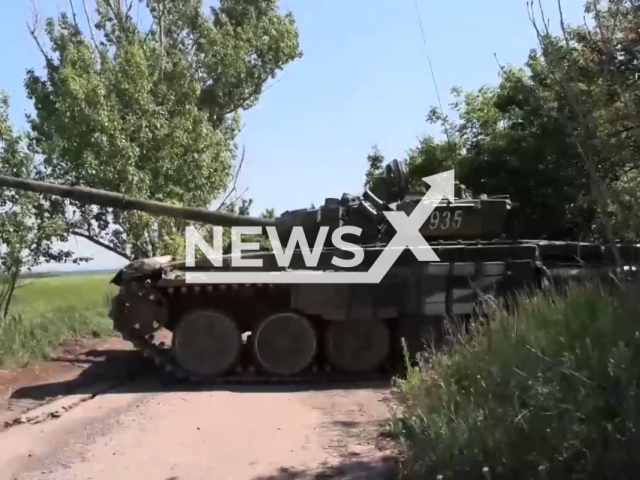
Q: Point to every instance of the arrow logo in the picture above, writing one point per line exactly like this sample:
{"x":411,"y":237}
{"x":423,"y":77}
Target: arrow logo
{"x":408,"y":228}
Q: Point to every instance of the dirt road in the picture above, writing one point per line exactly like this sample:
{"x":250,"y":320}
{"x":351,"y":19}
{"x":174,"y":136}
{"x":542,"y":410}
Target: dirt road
{"x":146,"y":428}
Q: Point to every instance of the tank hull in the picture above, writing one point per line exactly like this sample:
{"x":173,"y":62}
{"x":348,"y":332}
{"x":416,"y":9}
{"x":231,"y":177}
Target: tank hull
{"x":227,"y":333}
{"x":308,"y":332}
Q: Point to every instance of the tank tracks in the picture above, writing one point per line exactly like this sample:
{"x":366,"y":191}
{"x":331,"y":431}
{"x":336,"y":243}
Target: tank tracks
{"x":246,"y":371}
{"x":163,"y":358}
{"x":242,"y":374}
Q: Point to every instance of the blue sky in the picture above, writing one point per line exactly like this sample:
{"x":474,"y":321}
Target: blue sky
{"x":363,"y":80}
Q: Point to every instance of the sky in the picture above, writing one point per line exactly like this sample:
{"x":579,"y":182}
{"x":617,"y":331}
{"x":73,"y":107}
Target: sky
{"x":364,"y":79}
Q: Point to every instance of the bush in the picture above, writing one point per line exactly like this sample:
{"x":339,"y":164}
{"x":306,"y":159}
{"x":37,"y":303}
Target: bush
{"x":551,"y":387}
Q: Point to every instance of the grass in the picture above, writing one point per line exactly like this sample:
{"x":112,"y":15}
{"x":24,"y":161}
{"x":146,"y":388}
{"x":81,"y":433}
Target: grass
{"x":45,"y":311}
{"x":551,"y":387}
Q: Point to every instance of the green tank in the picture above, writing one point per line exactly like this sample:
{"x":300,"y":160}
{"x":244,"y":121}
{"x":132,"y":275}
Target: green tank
{"x":292,"y":332}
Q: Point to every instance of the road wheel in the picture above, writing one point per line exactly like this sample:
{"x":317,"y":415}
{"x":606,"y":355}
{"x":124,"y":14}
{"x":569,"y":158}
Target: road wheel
{"x":284,"y":343}
{"x":357,"y":346}
{"x":206,"y":343}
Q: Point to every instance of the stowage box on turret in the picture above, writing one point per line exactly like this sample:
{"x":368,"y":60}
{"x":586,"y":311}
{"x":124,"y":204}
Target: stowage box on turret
{"x":303,"y":331}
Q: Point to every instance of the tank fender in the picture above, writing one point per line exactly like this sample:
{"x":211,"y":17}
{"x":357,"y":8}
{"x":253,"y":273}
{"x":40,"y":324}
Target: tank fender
{"x":117,"y":279}
{"x":141,"y":267}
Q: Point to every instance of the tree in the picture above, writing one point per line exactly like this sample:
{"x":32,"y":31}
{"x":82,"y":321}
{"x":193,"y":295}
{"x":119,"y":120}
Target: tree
{"x":375,"y":161}
{"x":27,"y":233}
{"x":150,"y":112}
{"x":560,"y":135}
{"x":498,"y":144}
{"x":593,"y":75}
{"x":269,"y":213}
{"x":431,"y":156}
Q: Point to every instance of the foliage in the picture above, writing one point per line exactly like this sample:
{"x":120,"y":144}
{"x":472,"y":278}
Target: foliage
{"x":553,"y":384}
{"x":375,"y":162}
{"x":431,"y":156}
{"x":550,"y":386}
{"x":150,"y":112}
{"x":560,"y":135}
{"x":48,"y":310}
{"x":27,"y":233}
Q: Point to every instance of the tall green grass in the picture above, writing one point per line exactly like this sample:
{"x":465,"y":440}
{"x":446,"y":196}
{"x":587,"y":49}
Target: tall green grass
{"x":551,"y":387}
{"x":46,"y":311}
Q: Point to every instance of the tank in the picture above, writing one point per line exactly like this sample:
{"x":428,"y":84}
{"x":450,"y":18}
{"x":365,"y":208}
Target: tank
{"x":276,"y":332}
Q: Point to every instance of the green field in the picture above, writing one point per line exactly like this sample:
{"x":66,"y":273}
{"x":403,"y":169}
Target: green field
{"x":47,"y":310}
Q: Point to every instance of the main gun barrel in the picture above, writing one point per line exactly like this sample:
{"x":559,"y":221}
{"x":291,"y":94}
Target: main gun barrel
{"x":120,"y":201}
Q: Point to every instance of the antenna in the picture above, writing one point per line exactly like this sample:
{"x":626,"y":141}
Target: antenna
{"x":433,"y":77}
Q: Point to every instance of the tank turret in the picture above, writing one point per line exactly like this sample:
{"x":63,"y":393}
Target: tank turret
{"x":465,"y":218}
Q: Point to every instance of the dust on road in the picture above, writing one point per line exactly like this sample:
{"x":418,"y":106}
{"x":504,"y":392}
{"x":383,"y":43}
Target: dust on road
{"x":140,"y":430}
